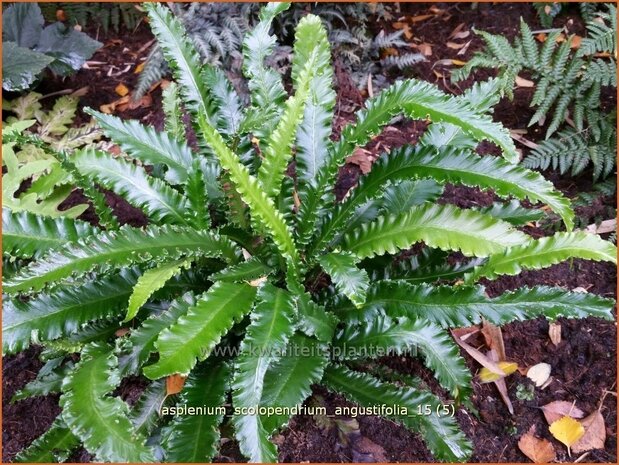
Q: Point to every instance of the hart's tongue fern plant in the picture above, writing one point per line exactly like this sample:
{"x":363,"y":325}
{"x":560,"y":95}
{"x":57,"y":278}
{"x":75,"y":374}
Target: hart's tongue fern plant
{"x":238,"y":243}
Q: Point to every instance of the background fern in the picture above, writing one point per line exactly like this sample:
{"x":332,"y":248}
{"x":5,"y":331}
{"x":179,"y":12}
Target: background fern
{"x":568,"y":84}
{"x":101,"y":14}
{"x":217,"y":29}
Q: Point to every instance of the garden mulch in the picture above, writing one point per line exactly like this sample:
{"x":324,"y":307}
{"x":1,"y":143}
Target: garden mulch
{"x":583,"y":364}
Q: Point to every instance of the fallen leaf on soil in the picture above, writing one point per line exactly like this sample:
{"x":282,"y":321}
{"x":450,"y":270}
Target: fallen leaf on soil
{"x":561,"y":408}
{"x":408,"y":34}
{"x":576,"y":40}
{"x":126,"y":103}
{"x":416,"y":19}
{"x":454,"y":45}
{"x":361,"y":158}
{"x":139,"y":68}
{"x":465,"y":48}
{"x":425,"y":49}
{"x":121,"y":89}
{"x":522,"y":82}
{"x":541,"y":37}
{"x":494,"y":339}
{"x":486,"y":376}
{"x":458,"y":30}
{"x":595,"y":433}
{"x":554,"y":332}
{"x":524,"y":141}
{"x":605,"y":226}
{"x":458,"y":62}
{"x":567,"y":430}
{"x":500,"y":384}
{"x":536,"y":449}
{"x":174,"y":384}
{"x":482,"y":359}
{"x":539,"y":373}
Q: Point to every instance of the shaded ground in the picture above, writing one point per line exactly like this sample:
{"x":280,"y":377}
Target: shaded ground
{"x":583,"y":365}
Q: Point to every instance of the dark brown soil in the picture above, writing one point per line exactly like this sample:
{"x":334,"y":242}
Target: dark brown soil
{"x":23,"y":421}
{"x":583,"y":365}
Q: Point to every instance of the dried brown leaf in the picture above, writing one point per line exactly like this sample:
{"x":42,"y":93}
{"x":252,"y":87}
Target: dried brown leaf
{"x":554,"y":332}
{"x":536,"y":449}
{"x":595,"y":433}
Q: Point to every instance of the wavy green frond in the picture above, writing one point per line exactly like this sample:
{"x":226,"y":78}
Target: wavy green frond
{"x":421,"y":100}
{"x":513,"y":212}
{"x":294,"y":373}
{"x":55,"y":445}
{"x":446,"y":165}
{"x":146,"y":144}
{"x":229,"y":109}
{"x":430,"y":266}
{"x":245,"y":271}
{"x":116,"y":249}
{"x":28,"y":235}
{"x":348,"y":279}
{"x":312,"y":139}
{"x":195,"y":438}
{"x":261,"y":206}
{"x":48,"y":380}
{"x":197,"y":332}
{"x":137,"y":348}
{"x":151,"y":281}
{"x":441,"y":433}
{"x":266,"y":337}
{"x":183,"y":58}
{"x":384,"y":335}
{"x":160,"y":202}
{"x":458,"y":306}
{"x":63,"y":311}
{"x":309,"y":60}
{"x":443,"y":226}
{"x":101,"y":422}
{"x":265,"y":85}
{"x":278,"y":150}
{"x":313,"y":320}
{"x":197,"y":193}
{"x":145,"y":414}
{"x":172,"y":108}
{"x":544,"y":252}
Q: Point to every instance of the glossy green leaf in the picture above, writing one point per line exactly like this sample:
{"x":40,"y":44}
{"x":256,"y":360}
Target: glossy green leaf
{"x":196,"y":333}
{"x":101,"y":422}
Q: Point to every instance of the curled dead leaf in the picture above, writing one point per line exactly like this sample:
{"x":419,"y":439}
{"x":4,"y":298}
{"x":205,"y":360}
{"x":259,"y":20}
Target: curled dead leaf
{"x":361,"y":158}
{"x":536,"y":449}
{"x":560,"y":408}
